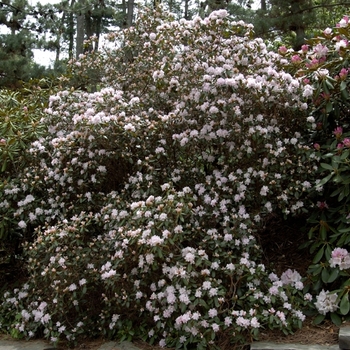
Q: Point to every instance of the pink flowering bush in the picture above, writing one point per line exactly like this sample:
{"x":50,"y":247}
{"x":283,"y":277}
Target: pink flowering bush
{"x":337,"y":301}
{"x":323,"y":65}
{"x":144,"y":200}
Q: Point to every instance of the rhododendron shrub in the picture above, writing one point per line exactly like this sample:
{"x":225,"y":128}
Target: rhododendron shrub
{"x":323,"y":64}
{"x":20,"y":114}
{"x":145,"y":199}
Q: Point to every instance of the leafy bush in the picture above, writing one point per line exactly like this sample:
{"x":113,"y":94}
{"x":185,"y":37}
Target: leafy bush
{"x":323,"y":64}
{"x":143,"y":202}
{"x":20,"y":116}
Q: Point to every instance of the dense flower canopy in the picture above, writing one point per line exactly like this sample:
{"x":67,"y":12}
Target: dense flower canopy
{"x":150,"y":187}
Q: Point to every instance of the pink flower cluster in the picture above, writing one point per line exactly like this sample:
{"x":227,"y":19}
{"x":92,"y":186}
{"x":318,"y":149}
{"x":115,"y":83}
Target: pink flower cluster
{"x":340,"y":258}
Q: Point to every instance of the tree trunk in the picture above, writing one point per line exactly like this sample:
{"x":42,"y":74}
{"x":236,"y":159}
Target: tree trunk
{"x":130,"y":16}
{"x":98,"y":23}
{"x":59,"y":35}
{"x":124,"y":13}
{"x":300,"y":38}
{"x":71,"y":31}
{"x":89,"y":29}
{"x":186,"y":9}
{"x":263,"y":6}
{"x":297,"y":25}
{"x":80,"y":34}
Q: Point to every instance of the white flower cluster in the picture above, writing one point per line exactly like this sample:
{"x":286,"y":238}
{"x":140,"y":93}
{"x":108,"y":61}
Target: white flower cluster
{"x":326,"y":302}
{"x":340,"y":257}
{"x":292,"y":278}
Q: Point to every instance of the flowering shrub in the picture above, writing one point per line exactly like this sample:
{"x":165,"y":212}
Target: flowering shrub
{"x":323,"y":64}
{"x":337,"y":301}
{"x":144,"y":200}
{"x":20,"y":125}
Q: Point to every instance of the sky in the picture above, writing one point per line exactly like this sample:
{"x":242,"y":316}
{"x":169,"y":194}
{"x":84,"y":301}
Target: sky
{"x":44,"y":58}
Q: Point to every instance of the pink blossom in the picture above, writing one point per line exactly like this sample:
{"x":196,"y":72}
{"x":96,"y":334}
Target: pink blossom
{"x":338,"y":132}
{"x":346,"y":142}
{"x":296,"y":59}
{"x":305,"y":48}
{"x":340,"y":146}
{"x":319,"y":126}
{"x":281,"y":316}
{"x":340,"y":44}
{"x":228,"y":321}
{"x":344,"y":22}
{"x":320,"y":50}
{"x":343,"y":73}
{"x":254,"y":322}
{"x":242,"y":322}
{"x":273,"y":290}
{"x":290,"y":277}
{"x":282,"y":50}
{"x":327,"y":31}
{"x":313,"y":64}
{"x":215,"y":327}
{"x":339,"y":253}
{"x":322,"y":205}
{"x":340,"y":257}
{"x":212,"y":313}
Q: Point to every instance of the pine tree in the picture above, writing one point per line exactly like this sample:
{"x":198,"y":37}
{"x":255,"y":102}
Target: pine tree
{"x":294,"y":21}
{"x":16,"y":44}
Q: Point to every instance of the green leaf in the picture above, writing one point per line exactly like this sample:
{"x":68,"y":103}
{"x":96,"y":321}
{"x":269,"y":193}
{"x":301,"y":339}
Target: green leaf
{"x":333,"y":275}
{"x":323,"y":232}
{"x":338,"y":179}
{"x":318,"y":256}
{"x":203,"y":303}
{"x":3,"y":168}
{"x":344,"y":305}
{"x":324,"y":180}
{"x":216,"y":302}
{"x":343,"y":85}
{"x":346,"y":181}
{"x":344,"y":94}
{"x":336,"y":319}
{"x":341,"y":196}
{"x":326,"y":166}
{"x":336,"y":192}
{"x":325,"y":275}
{"x":329,"y":84}
{"x":346,"y":190}
{"x":329,"y":107}
{"x":325,"y":87}
{"x":315,"y":269}
{"x":319,"y":319}
{"x":318,"y":285}
{"x":344,"y":155}
{"x":328,"y":252}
